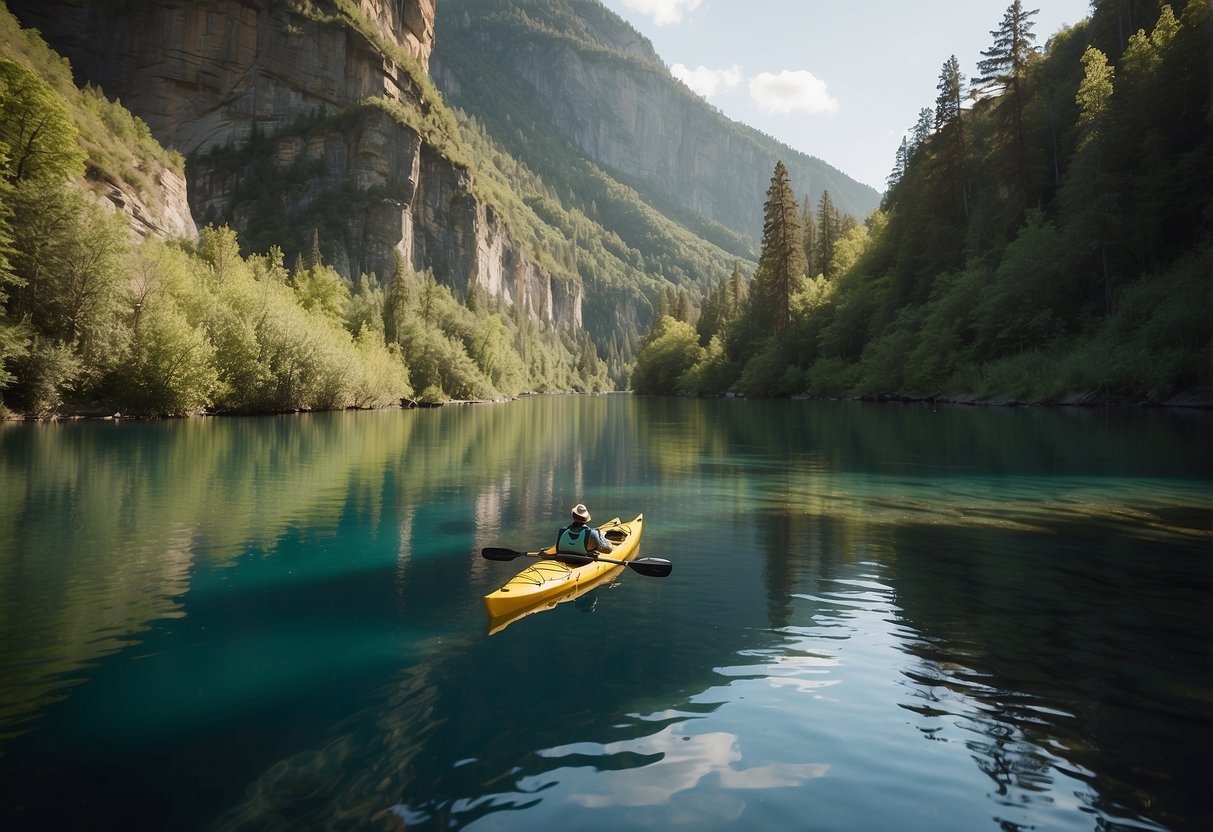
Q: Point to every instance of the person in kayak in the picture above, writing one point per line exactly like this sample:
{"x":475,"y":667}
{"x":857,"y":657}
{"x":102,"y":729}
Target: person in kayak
{"x":580,"y":538}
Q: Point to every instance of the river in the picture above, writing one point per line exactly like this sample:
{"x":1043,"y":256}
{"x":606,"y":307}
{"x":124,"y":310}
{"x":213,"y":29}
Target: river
{"x":880,"y":617}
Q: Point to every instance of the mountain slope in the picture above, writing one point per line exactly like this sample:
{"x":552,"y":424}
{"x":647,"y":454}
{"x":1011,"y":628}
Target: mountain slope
{"x":534,"y":70}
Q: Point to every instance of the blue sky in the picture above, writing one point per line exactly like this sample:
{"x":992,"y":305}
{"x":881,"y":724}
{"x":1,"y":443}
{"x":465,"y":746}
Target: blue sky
{"x":841,"y":80}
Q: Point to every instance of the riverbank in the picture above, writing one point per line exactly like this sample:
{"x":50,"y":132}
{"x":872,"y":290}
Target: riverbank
{"x":1190,"y":399}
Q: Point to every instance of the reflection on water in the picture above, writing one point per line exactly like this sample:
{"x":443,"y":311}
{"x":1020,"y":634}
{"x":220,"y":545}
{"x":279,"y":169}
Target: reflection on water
{"x":881,"y":617}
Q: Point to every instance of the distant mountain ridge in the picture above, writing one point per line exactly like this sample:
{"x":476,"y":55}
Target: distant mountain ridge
{"x":591,"y":78}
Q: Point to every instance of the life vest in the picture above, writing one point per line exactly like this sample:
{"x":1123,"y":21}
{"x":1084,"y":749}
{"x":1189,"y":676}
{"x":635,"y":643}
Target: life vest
{"x":579,"y":542}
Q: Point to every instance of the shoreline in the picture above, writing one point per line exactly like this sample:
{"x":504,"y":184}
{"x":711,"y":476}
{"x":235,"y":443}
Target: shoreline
{"x":1191,"y":400}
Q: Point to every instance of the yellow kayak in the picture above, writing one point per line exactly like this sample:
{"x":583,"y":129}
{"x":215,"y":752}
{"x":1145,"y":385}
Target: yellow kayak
{"x":497,"y":623}
{"x":547,"y":578}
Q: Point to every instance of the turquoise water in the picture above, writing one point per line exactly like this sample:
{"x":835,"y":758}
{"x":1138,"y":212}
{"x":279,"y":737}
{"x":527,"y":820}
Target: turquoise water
{"x":880,"y":617}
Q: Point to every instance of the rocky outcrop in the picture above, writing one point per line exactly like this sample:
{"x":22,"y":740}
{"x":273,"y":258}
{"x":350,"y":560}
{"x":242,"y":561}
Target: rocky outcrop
{"x":267,"y":99}
{"x":163,"y":214}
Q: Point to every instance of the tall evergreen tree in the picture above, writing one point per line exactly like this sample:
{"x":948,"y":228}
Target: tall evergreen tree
{"x":829,"y":232}
{"x":811,"y":266}
{"x":895,"y":175}
{"x":781,"y":263}
{"x":949,"y":124}
{"x":1004,"y":71}
{"x":920,"y":133}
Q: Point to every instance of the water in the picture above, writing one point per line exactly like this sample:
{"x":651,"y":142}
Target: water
{"x":880,"y":617}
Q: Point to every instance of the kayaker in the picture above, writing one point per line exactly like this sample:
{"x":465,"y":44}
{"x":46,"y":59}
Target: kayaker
{"x":579,"y":538}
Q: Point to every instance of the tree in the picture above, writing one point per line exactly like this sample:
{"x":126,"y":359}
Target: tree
{"x":396,"y":304}
{"x":898,"y":172}
{"x":920,"y":134}
{"x":949,"y":124}
{"x":671,"y":349}
{"x":1005,"y":70}
{"x":781,"y":264}
{"x":1088,"y":194}
{"x":811,"y":267}
{"x":829,"y":231}
{"x":37,"y":129}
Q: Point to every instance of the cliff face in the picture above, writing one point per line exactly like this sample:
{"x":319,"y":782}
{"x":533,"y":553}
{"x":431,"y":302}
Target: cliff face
{"x":267,"y":100}
{"x":598,"y":83}
{"x":163,"y":215}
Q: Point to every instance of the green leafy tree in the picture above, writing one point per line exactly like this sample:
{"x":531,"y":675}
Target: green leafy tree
{"x":71,"y":265}
{"x":42,"y":374}
{"x":37,"y":129}
{"x":172,"y":368}
{"x":670,"y":350}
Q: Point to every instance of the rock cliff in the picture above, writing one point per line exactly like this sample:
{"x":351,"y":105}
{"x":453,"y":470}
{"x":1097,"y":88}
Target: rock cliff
{"x":284,"y":110}
{"x":599,"y":83}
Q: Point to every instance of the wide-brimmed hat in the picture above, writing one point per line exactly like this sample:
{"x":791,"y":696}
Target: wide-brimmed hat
{"x":581,"y":513}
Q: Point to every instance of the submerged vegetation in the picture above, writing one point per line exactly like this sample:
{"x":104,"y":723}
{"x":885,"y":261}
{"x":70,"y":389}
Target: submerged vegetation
{"x":1055,"y":238}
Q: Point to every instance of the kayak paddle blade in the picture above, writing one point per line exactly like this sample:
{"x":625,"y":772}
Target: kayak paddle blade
{"x":497,"y":553}
{"x":653,"y":567}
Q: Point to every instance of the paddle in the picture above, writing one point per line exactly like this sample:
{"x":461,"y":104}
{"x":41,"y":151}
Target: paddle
{"x":653,"y":567}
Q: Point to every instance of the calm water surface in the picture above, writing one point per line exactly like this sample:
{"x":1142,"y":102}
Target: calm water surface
{"x":880,"y":617}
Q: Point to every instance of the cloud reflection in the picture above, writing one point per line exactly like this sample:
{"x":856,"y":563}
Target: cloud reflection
{"x":681,"y":763}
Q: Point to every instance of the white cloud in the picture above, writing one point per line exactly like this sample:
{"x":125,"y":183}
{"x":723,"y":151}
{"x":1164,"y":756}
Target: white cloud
{"x":791,"y":90}
{"x":706,"y":81}
{"x":663,"y":11}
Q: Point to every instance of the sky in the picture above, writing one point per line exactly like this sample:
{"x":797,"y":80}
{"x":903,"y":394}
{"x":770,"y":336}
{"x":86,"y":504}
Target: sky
{"x":841,"y":80}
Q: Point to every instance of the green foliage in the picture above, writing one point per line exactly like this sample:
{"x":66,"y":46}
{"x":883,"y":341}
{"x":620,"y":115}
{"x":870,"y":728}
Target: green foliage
{"x":670,"y":351}
{"x":171,"y":367}
{"x":41,"y":375}
{"x":36,"y":128}
{"x":781,"y":266}
{"x":955,"y":289}
{"x":320,"y":289}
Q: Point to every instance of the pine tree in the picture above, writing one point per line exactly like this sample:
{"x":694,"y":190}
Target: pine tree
{"x":829,"y":232}
{"x":949,"y":124}
{"x":920,"y":134}
{"x":896,"y":174}
{"x":314,"y":259}
{"x":1004,"y":72}
{"x":781,"y":264}
{"x":811,"y":267}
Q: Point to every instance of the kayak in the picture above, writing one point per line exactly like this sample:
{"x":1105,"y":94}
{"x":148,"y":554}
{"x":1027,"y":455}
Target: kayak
{"x":497,"y":623}
{"x":549,"y":577}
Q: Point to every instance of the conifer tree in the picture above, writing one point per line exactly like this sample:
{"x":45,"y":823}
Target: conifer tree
{"x":896,"y":174}
{"x":811,"y":267}
{"x":950,"y":126}
{"x":781,"y":264}
{"x":1004,"y":72}
{"x":829,"y":232}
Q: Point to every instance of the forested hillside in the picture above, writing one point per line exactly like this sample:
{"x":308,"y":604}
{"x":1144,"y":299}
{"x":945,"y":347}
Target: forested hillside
{"x":1047,"y":235}
{"x":96,"y":319}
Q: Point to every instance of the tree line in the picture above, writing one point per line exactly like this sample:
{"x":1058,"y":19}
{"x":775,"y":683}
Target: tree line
{"x":1047,"y":230}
